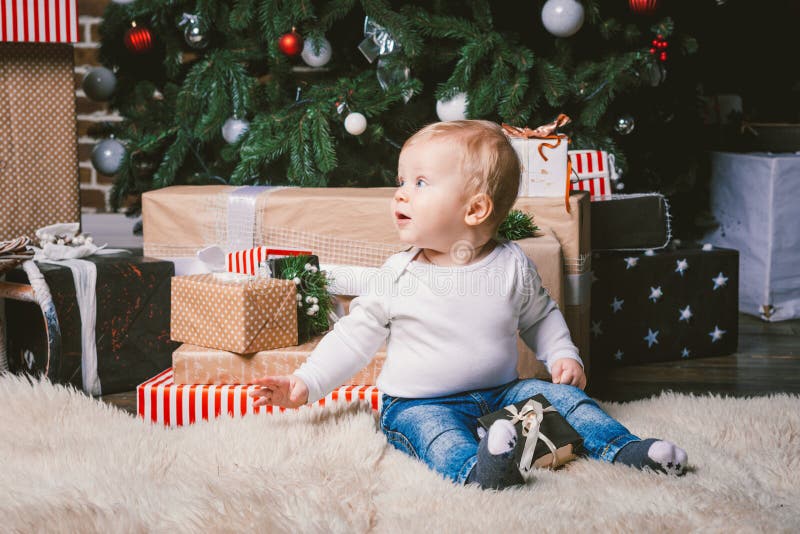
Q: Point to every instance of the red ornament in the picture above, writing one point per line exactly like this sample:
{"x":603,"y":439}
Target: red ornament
{"x":138,"y":39}
{"x":659,"y":47}
{"x":643,"y":7}
{"x":291,"y":43}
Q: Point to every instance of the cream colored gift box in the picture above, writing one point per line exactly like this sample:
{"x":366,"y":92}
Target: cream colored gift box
{"x":237,"y":313}
{"x":352,"y":226}
{"x":544,"y":166}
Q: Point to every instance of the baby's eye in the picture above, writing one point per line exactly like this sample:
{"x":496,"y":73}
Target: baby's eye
{"x":399,"y":182}
{"x":421,"y":182}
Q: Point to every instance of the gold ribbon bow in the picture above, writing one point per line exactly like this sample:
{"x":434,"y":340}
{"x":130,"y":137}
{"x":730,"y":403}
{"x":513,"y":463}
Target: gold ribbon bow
{"x":531,"y":416}
{"x":545,"y":131}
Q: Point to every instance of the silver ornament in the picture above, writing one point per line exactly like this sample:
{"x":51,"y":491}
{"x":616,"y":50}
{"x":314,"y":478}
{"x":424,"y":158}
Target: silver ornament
{"x":391,"y":72}
{"x":355,"y":123}
{"x":316,"y":59}
{"x":562,"y":18}
{"x":454,"y":109}
{"x":99,"y":84}
{"x":107,"y":156}
{"x":654,"y":74}
{"x":234,"y":129}
{"x":195,"y":32}
{"x":624,"y":124}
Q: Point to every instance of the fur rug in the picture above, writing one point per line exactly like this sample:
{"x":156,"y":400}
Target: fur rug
{"x":74,"y":464}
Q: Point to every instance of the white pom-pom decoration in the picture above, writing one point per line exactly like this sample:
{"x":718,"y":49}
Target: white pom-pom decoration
{"x":454,"y":109}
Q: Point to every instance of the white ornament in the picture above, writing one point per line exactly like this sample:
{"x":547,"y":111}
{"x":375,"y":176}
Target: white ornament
{"x":313,"y":59}
{"x":308,"y":299}
{"x":454,"y":109}
{"x":296,"y":281}
{"x":307,"y":266}
{"x":234,"y":129}
{"x":355,"y":123}
{"x":562,"y":18}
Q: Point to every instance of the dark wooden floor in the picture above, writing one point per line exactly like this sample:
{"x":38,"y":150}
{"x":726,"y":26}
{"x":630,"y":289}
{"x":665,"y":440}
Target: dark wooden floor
{"x":768,"y":361}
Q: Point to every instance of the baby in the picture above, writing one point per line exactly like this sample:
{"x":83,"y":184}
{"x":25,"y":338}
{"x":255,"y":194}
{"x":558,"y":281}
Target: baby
{"x":449,"y":310}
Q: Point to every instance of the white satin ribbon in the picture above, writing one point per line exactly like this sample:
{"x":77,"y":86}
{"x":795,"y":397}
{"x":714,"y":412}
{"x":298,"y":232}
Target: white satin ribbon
{"x":531,"y":416}
{"x":242,"y":215}
{"x":84,"y":275}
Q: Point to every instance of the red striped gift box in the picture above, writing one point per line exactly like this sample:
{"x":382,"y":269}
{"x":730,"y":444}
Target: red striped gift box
{"x":597,"y":187}
{"x":247,"y":261}
{"x":160,"y":400}
{"x":588,"y":164}
{"x":38,"y":21}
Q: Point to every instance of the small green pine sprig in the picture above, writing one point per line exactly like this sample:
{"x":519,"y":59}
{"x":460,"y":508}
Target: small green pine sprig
{"x":314,"y":304}
{"x":517,"y":225}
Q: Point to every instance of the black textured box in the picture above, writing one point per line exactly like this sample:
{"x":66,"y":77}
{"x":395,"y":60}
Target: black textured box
{"x":630,"y":222}
{"x":132,"y":321}
{"x":673,"y":304}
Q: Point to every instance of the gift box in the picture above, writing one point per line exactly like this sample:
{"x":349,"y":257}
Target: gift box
{"x":131,"y":320}
{"x":160,"y":400}
{"x":247,"y":261}
{"x":237,"y":313}
{"x":542,"y":153}
{"x":666,"y":305}
{"x":180,"y":220}
{"x":596,"y":187}
{"x":630,"y":222}
{"x":199,"y":365}
{"x":544,"y":438}
{"x":592,"y":171}
{"x":754,"y":200}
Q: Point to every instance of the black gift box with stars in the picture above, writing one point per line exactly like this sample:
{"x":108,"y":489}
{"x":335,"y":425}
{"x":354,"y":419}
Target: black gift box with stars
{"x":664,"y":305}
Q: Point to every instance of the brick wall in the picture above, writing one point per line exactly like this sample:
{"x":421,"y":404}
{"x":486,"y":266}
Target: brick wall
{"x":94,"y":186}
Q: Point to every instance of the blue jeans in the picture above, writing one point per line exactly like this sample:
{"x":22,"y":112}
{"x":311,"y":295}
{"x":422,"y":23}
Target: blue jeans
{"x":442,"y":431}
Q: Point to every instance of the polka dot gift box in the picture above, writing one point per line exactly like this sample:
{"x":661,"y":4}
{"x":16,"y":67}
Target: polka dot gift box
{"x":236,"y":313}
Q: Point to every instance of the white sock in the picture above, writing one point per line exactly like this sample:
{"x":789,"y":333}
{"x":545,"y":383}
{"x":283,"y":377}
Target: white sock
{"x":502,"y":437}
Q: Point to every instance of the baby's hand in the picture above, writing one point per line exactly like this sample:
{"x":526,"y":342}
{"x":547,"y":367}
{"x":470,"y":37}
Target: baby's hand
{"x":568,"y":371}
{"x":287,"y":391}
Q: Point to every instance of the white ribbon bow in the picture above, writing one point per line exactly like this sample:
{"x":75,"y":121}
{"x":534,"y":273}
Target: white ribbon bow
{"x":531,"y":416}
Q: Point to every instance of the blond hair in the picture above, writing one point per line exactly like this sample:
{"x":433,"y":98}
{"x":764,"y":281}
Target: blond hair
{"x":489,"y":163}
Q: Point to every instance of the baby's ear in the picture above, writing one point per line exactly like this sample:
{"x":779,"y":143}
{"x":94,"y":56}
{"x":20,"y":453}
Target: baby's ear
{"x":479,"y":209}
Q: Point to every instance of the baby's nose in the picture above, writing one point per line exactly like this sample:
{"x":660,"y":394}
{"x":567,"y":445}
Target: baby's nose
{"x":400,"y":195}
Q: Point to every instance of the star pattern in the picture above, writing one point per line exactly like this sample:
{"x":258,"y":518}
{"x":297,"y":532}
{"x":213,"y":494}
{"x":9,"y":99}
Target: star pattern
{"x":655,"y":293}
{"x":681,"y":266}
{"x":596,"y":328}
{"x":717,"y":334}
{"x":720,"y":281}
{"x":678,"y":303}
{"x":651,"y":338}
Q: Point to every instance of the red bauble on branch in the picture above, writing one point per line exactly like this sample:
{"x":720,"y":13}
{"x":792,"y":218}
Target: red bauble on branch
{"x":138,"y":39}
{"x":291,"y":43}
{"x":659,"y":47}
{"x":643,"y":7}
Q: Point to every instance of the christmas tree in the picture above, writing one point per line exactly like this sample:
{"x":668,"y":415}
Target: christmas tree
{"x":324,"y":93}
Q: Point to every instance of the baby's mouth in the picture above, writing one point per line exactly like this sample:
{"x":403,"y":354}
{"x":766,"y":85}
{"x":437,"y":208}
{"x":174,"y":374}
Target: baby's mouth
{"x":401,"y":217}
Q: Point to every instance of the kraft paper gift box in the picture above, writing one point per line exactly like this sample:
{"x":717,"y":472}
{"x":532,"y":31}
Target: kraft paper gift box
{"x":544,"y":438}
{"x":160,"y":400}
{"x":38,"y":143}
{"x":131,"y":322}
{"x":237,"y":313}
{"x":754,"y":198}
{"x":669,"y":305}
{"x":199,"y":365}
{"x":343,"y":226}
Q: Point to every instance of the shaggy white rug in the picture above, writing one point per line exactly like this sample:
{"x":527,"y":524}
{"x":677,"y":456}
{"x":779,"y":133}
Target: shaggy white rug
{"x":74,"y":464}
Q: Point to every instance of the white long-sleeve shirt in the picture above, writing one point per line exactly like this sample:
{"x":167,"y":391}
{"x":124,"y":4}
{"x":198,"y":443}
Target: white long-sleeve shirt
{"x":446,"y":329}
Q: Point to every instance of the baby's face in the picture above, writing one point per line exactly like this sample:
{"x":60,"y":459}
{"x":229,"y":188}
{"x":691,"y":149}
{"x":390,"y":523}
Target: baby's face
{"x":430,"y":202}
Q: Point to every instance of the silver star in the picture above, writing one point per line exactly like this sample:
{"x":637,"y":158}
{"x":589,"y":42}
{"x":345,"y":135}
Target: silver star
{"x":618,"y":355}
{"x":685,"y":352}
{"x":719,"y":281}
{"x":616,"y":304}
{"x":596,"y":330}
{"x":631,"y":261}
{"x":655,"y":293}
{"x":717,"y":334}
{"x":686,"y":314}
{"x":681,"y":265}
{"x":651,"y":338}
